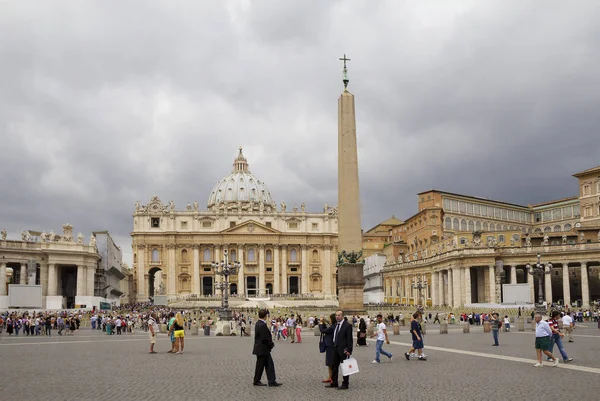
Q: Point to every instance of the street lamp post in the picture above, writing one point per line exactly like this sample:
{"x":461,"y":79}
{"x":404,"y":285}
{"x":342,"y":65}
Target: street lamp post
{"x":539,"y":270}
{"x":419,"y":285}
{"x":225,"y":269}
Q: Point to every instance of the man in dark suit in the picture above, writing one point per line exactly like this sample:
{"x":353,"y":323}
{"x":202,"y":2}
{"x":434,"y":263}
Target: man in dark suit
{"x":263,"y":343}
{"x":342,"y":348}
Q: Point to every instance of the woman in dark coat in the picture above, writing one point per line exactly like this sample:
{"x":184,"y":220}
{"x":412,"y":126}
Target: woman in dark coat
{"x":362,"y":333}
{"x":328,"y":340}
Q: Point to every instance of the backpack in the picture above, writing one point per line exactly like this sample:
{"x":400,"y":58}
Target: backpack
{"x":499,"y":323}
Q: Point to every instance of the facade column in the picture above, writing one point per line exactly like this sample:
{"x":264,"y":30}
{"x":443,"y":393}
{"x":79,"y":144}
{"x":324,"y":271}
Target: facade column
{"x":441,"y":297}
{"x":141,"y":270}
{"x":566,"y":284}
{"x":394,"y":290}
{"x":492,"y":283}
{"x":52,"y":279}
{"x":44,"y":278}
{"x":450,"y":288}
{"x":305,"y":272}
{"x":241,"y":281}
{"x":218,"y":278}
{"x":276,"y":277}
{"x":23,"y":274}
{"x":91,"y":275}
{"x":467,"y":284}
{"x":326,"y":271}
{"x":261,"y":270}
{"x":284,"y":280}
{"x":196,"y":270}
{"x":3,"y":290}
{"x":80,"y":281}
{"x":172,"y":277}
{"x":548,"y":286}
{"x":456,"y":277}
{"x":513,"y":274}
{"x":585,"y":287}
{"x":434,"y":289}
{"x":146,"y":284}
{"x":530,"y":281}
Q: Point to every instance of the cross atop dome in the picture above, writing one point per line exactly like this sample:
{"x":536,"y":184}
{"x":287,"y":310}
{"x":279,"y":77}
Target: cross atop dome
{"x":240,"y":164}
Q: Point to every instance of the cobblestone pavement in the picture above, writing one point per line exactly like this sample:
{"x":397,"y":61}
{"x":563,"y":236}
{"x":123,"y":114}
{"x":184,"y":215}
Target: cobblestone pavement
{"x":93,"y":366}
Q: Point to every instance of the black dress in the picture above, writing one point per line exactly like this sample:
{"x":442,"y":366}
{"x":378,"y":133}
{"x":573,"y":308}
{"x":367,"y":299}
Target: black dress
{"x":362,"y":334}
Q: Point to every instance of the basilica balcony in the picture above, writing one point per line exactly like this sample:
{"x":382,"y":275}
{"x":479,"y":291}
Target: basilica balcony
{"x":249,"y":263}
{"x":155,"y":262}
{"x":206,"y":263}
{"x":294,"y":263}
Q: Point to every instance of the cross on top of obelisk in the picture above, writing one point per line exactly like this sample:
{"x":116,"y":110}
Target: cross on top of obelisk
{"x":345,"y":76}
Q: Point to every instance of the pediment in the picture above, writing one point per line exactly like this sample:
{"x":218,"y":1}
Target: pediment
{"x":250,"y":227}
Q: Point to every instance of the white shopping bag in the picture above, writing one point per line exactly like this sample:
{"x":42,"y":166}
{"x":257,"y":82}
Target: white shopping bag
{"x":349,"y":367}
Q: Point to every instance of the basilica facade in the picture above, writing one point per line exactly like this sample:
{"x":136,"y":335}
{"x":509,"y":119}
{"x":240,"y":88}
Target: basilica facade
{"x":282,"y":251}
{"x":462,"y":249}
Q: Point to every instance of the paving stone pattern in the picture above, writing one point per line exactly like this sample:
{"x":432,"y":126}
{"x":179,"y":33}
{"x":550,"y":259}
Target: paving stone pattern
{"x":93,"y":366}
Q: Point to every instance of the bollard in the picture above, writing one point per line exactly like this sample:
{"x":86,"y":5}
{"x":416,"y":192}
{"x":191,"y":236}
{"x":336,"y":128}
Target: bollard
{"x":533,"y":326}
{"x":163,"y":328}
{"x":317,"y":331}
{"x":487,"y":327}
{"x":396,"y":329}
{"x":226,"y":330}
{"x":423,"y":327}
{"x":444,"y":328}
{"x":466,"y":328}
{"x":194,"y":329}
{"x":521,"y":324}
{"x":207,"y":330}
{"x":248,"y":330}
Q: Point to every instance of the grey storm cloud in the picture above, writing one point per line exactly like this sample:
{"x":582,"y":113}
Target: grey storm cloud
{"x":106,"y":103}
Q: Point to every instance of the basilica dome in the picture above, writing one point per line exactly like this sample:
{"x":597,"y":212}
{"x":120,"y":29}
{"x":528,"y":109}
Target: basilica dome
{"x":240,"y":190}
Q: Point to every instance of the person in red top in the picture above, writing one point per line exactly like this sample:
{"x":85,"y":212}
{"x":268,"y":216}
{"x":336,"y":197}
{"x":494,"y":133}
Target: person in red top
{"x":557,"y":336}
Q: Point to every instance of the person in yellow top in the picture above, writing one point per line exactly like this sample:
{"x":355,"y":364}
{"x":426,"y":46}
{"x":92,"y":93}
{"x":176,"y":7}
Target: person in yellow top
{"x":177,"y":328}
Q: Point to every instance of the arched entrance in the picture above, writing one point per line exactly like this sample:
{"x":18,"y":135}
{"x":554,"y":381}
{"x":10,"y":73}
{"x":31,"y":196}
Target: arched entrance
{"x":251,"y":287}
{"x":233,"y":289}
{"x":68,"y":285}
{"x":207,"y":286}
{"x":269,"y":289}
{"x":154,"y":281}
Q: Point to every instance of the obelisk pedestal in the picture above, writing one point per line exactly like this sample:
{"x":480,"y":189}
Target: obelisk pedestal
{"x":350,"y":265}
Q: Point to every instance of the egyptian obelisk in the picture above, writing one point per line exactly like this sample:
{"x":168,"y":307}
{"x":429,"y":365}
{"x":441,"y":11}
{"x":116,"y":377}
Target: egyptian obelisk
{"x":350,"y":265}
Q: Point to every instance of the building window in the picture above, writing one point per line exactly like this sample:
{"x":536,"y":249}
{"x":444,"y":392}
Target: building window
{"x":557,"y":228}
{"x":268,"y":223}
{"x":231,"y":224}
{"x":537,"y":216}
{"x":184,"y":225}
{"x":463,"y":207}
{"x":470,"y":208}
{"x":293,"y":225}
{"x":463,"y":225}
{"x":501,"y":238}
{"x":206,"y":224}
{"x":446,"y":204}
{"x":155,"y":222}
{"x":206,"y":255}
{"x":455,"y":224}
{"x":184,"y":255}
{"x":476,"y":209}
{"x":471,"y":226}
{"x":315,"y":226}
{"x":232,"y":256}
{"x":293,"y":255}
{"x":587,"y":212}
{"x":492,"y":227}
{"x":269,"y":255}
{"x":478,"y":226}
{"x":586,"y":189}
{"x":463,"y":241}
{"x":251,"y":255}
{"x":155,"y":255}
{"x":485,"y":226}
{"x":315,"y":255}
{"x":483,"y":210}
{"x":448,"y":223}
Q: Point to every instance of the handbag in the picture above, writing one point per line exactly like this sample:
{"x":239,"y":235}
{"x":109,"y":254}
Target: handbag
{"x":362,"y":335}
{"x":349,"y":367}
{"x":321,"y":345}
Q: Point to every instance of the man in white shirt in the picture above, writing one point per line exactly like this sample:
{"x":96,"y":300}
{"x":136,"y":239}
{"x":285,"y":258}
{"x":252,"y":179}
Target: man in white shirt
{"x":291,"y":328}
{"x":152,"y":331}
{"x":543,"y":332}
{"x":381,"y":337}
{"x":568,"y":326}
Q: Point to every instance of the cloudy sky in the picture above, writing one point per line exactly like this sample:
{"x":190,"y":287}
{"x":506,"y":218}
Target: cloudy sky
{"x":103,"y":103}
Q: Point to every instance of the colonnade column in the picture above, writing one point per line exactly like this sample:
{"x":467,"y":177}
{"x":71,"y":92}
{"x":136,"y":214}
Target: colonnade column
{"x":467,"y":283}
{"x":548,"y":285}
{"x":394,"y":289}
{"x":492,"y":283}
{"x":23,"y":274}
{"x":456,"y":279}
{"x":52,"y":279}
{"x":434,"y":289}
{"x":585,"y":287}
{"x":276,"y":278}
{"x":513,"y":274}
{"x":80,"y":280}
{"x":241,"y":276}
{"x":3,"y":279}
{"x":91,"y":275}
{"x":305,"y":273}
{"x":261,"y":270}
{"x":141,"y":286}
{"x":531,"y":288}
{"x":216,"y":277}
{"x":441,"y":297}
{"x":196,"y":270}
{"x":172,"y":277}
{"x":566,"y":284}
{"x":327,"y":290}
{"x":284,"y":281}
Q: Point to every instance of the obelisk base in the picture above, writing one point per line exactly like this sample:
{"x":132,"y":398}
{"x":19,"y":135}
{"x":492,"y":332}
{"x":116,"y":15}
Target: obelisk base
{"x":350,"y":288}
